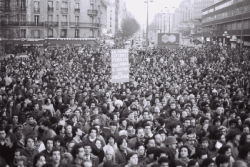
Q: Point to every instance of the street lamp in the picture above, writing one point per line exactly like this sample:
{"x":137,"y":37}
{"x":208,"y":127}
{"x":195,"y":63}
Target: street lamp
{"x":147,"y":23}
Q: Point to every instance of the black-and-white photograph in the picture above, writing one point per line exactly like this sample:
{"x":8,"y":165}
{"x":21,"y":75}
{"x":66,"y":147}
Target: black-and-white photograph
{"x":124,"y":83}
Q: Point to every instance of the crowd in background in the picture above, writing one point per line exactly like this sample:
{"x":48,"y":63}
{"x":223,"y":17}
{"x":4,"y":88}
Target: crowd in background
{"x":183,"y":107}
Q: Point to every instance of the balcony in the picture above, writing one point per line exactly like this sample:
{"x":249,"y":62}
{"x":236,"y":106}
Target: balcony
{"x":7,"y":9}
{"x":63,"y":36}
{"x":85,"y":25}
{"x":23,"y":9}
{"x":52,"y":24}
{"x":50,"y":9}
{"x":92,"y":12}
{"x":50,"y":36}
{"x":77,"y":10}
{"x":37,"y":37}
{"x":26,"y":23}
{"x":36,"y":10}
{"x":77,"y":36}
{"x":64,"y":24}
{"x":64,"y":10}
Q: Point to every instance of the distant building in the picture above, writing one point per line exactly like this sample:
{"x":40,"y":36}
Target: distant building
{"x":222,"y":22}
{"x":199,"y":5}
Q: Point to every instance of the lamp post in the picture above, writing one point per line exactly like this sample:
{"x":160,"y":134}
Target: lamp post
{"x":147,"y":23}
{"x":241,"y":31}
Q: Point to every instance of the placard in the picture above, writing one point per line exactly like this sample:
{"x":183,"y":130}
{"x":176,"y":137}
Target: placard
{"x":120,"y":65}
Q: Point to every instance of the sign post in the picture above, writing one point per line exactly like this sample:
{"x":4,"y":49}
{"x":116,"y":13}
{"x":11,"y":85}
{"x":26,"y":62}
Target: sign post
{"x":120,"y":65}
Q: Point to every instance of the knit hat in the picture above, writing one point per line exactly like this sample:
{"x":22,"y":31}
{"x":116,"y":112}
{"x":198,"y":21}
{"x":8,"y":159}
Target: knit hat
{"x":171,"y":140}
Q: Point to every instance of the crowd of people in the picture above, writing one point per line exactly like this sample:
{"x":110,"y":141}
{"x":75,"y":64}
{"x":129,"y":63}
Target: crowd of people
{"x":184,"y":107}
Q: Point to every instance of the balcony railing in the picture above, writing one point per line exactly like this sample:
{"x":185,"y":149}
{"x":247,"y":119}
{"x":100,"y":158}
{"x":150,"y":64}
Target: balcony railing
{"x":50,"y":9}
{"x":88,"y":25}
{"x":77,"y":36}
{"x":23,"y":24}
{"x":7,"y":9}
{"x":51,"y":24}
{"x":23,"y":9}
{"x":64,"y":23}
{"x":92,"y":12}
{"x":37,"y":37}
{"x":36,"y":10}
{"x":64,"y":10}
{"x":77,"y":10}
{"x":50,"y":36}
{"x":63,"y":36}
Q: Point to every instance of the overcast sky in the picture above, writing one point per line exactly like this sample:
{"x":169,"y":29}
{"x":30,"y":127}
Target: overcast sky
{"x":139,"y":9}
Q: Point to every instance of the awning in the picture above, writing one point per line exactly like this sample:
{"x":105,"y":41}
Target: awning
{"x":59,"y":41}
{"x":29,"y":42}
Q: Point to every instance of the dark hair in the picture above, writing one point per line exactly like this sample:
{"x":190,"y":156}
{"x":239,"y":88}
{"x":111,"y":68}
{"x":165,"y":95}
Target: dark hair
{"x":55,"y":150}
{"x":60,"y":139}
{"x":58,"y":129}
{"x":243,"y":152}
{"x":147,"y":141}
{"x":75,"y":149}
{"x":243,"y":138}
{"x":207,"y":162}
{"x":74,"y":130}
{"x":111,"y":136}
{"x":220,"y":159}
{"x":138,"y":144}
{"x":12,"y":137}
{"x":29,"y":137}
{"x":158,"y":152}
{"x":233,"y":133}
{"x":48,"y":139}
{"x":36,"y":158}
{"x":184,"y":146}
{"x":120,"y":141}
{"x":163,"y":160}
{"x":93,"y":128}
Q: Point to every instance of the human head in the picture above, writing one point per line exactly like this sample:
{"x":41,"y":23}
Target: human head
{"x":39,"y":160}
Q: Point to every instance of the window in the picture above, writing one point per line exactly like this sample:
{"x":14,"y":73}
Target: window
{"x":77,"y":6}
{"x":7,"y":4}
{"x":50,"y":33}
{"x":64,"y":4}
{"x":23,"y":33}
{"x":239,"y":25}
{"x":64,"y":18}
{"x":50,"y":4}
{"x":23,"y":4}
{"x":50,"y":18}
{"x":17,"y":3}
{"x":36,"y":34}
{"x":234,"y":26}
{"x":76,"y":32}
{"x":36,"y":5}
{"x":36,"y":19}
{"x":246,"y":24}
{"x":57,"y":5}
{"x":7,"y":18}
{"x":64,"y":33}
{"x":17,"y":18}
{"x":57,"y":17}
{"x":23,"y":18}
{"x":77,"y":20}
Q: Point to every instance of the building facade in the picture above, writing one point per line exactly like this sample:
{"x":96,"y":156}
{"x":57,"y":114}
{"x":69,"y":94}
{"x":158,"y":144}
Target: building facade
{"x":183,"y":15}
{"x":199,"y":5}
{"x":54,"y":18}
{"x":226,"y":20}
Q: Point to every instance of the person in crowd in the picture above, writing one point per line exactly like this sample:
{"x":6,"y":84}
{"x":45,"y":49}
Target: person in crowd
{"x":180,"y":107}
